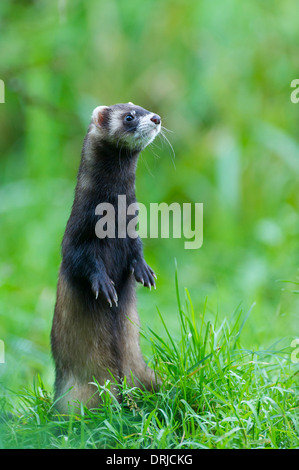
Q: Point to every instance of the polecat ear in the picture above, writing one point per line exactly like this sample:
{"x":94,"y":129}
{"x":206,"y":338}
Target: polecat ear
{"x":98,"y":115}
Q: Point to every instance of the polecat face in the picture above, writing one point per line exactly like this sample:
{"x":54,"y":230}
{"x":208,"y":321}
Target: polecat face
{"x":126,"y":125}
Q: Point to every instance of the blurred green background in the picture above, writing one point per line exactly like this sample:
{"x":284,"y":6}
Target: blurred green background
{"x":219,"y":74}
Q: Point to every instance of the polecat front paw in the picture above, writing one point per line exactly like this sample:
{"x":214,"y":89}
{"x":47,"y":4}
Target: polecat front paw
{"x":143,"y":273}
{"x":105,"y":287}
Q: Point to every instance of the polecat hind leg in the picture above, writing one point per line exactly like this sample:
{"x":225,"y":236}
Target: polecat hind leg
{"x":133,"y":365}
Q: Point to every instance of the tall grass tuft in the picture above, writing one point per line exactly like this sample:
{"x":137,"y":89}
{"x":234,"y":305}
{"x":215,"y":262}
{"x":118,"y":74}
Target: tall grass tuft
{"x":214,"y":394}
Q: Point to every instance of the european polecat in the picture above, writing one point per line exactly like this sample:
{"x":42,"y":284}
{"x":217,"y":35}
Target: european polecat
{"x":95,"y":332}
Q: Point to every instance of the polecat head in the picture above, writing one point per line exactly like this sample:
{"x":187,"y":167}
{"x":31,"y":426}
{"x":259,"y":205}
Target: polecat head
{"x":125,"y":125}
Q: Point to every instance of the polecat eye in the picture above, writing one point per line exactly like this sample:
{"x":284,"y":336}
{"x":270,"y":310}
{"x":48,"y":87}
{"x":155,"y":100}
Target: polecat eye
{"x":129,"y":117}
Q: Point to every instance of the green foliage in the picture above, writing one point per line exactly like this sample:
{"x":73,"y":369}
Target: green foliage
{"x":219,"y":75}
{"x":214,"y":394}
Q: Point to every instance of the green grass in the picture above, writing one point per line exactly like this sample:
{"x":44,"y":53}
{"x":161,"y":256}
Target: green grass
{"x":215,"y":394}
{"x":220,"y":79}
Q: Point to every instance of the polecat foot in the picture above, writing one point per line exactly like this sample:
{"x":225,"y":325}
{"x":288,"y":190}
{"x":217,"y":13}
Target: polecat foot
{"x":104,"y":286}
{"x":143,"y":273}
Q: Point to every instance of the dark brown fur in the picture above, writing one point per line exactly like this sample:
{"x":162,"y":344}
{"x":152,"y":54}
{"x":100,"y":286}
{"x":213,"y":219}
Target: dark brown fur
{"x":92,"y":340}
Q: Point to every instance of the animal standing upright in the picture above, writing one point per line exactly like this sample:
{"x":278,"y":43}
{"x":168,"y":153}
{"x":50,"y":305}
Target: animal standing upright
{"x":95,"y":332}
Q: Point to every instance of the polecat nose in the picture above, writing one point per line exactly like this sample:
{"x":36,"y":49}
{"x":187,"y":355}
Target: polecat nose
{"x":156,"y":119}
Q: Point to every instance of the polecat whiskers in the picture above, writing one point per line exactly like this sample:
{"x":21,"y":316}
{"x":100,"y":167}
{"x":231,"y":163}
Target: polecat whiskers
{"x":172,"y":150}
